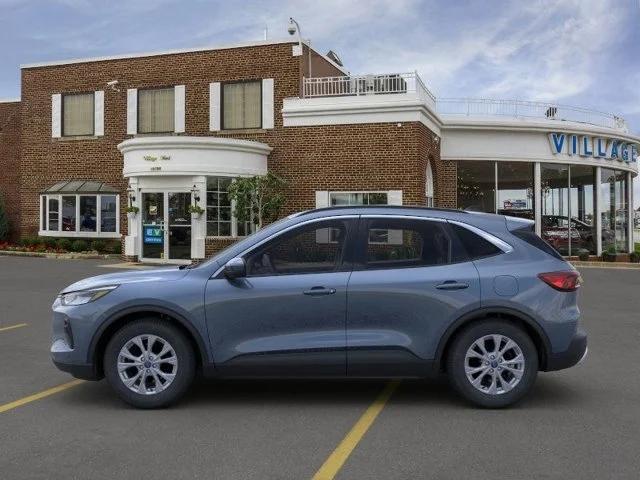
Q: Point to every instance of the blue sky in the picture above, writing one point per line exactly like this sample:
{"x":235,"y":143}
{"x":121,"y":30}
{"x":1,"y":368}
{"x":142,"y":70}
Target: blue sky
{"x":579,"y":52}
{"x":582,"y":52}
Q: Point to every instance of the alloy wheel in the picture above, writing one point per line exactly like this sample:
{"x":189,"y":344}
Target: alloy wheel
{"x":147,"y":364}
{"x":494,"y":364}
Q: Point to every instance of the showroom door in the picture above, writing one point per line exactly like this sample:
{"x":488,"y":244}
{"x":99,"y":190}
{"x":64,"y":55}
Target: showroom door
{"x":166,"y":226}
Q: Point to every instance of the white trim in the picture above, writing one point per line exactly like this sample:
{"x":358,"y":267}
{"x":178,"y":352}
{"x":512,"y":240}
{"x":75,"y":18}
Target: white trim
{"x":214,"y":107}
{"x":56,"y":115}
{"x":179,"y":108}
{"x":63,"y":234}
{"x":44,"y":225}
{"x":394,"y":197}
{"x":268,"y":103}
{"x":171,"y":52}
{"x":630,"y":210}
{"x":10,"y":100}
{"x":537,"y":198}
{"x":322,"y":198}
{"x":132,"y":111}
{"x":98,"y":113}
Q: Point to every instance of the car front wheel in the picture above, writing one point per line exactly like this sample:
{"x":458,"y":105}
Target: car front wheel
{"x":149,"y":363}
{"x":492,"y":363}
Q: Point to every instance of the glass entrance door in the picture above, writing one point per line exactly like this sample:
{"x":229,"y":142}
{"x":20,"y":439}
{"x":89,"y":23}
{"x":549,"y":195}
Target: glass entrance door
{"x":179,"y":226}
{"x":166,"y":226}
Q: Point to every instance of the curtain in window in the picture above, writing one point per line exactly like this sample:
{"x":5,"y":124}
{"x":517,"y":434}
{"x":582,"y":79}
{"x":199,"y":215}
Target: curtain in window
{"x":156,"y":110}
{"x":78,"y":114}
{"x":242,"y":105}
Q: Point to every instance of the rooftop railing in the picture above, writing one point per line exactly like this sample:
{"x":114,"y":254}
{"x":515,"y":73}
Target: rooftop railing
{"x":404,"y":83}
{"x":478,"y":107}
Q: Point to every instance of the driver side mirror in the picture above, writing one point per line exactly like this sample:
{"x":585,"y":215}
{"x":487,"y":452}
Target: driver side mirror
{"x":235,"y":268}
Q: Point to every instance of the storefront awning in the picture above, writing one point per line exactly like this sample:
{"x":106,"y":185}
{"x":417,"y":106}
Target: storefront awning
{"x":81,"y":186}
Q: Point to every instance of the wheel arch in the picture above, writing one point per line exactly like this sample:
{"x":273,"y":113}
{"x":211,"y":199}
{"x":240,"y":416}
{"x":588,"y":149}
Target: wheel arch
{"x":531,"y":327}
{"x":118,"y":320}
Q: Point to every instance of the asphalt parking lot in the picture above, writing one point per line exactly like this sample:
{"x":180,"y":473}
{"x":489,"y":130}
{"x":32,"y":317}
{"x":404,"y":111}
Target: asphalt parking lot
{"x":582,"y":423}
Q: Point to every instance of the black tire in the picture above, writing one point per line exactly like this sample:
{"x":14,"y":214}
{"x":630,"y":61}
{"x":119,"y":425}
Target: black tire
{"x":456,"y":363}
{"x":185,"y":369}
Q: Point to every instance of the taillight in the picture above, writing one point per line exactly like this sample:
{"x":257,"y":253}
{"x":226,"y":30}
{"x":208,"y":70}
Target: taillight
{"x":568,"y":281}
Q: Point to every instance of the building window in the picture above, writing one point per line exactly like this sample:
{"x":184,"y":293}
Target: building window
{"x":156,"y":110}
{"x":614,"y":211}
{"x":78,"y":114}
{"x":358,"y":198}
{"x":428,"y":189}
{"x":515,"y":189}
{"x":242,"y":105}
{"x":79,"y":216}
{"x":220,"y":219}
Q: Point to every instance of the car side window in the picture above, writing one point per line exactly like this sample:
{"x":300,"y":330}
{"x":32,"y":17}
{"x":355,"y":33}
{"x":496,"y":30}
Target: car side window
{"x":315,"y":248}
{"x":405,"y":243}
{"x":474,"y":245}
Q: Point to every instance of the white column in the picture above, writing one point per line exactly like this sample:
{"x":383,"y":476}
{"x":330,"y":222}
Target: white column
{"x":598,"y":212}
{"x":537,"y":198}
{"x":630,"y":241}
{"x":131,"y":241}
{"x":199,"y":225}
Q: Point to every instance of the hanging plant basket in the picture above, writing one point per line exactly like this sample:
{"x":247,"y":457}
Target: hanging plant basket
{"x":196,"y":211}
{"x":132,"y":212}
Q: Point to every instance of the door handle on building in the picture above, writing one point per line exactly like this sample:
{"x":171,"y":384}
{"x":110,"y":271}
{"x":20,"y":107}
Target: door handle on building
{"x":452,"y":285}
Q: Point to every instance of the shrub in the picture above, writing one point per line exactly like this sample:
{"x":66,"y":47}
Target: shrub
{"x":79,"y":246}
{"x":4,"y":221}
{"x":116,"y":248}
{"x":64,"y":244}
{"x":29,"y":241}
{"x":634,"y":257}
{"x":49,"y":242}
{"x":99,"y":246}
{"x":609,"y":255}
{"x":583,"y":254}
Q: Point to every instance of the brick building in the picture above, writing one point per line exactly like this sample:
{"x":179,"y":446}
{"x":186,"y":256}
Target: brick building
{"x":162,"y":131}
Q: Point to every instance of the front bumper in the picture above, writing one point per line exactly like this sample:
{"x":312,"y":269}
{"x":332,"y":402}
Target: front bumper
{"x":574,"y":354}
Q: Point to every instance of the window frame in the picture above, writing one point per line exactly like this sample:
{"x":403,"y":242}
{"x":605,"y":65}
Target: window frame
{"x":165,"y":87}
{"x":344,"y":264}
{"x":44,"y":223}
{"x":235,"y":82}
{"x":350,"y":192}
{"x":233,"y":219}
{"x":93,"y":116}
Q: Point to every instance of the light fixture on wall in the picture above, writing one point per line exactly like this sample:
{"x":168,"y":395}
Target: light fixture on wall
{"x":294,"y":27}
{"x":132,"y":194}
{"x":196,"y":193}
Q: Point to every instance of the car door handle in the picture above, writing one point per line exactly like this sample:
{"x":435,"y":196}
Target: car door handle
{"x":318,"y":291}
{"x":452,"y":285}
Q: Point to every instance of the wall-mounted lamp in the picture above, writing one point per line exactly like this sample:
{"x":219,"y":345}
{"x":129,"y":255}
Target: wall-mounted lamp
{"x":196,"y":194}
{"x":132,"y":196}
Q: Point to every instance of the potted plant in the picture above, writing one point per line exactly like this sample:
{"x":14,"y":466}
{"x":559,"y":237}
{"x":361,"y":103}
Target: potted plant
{"x":583,"y":254}
{"x":634,"y":257}
{"x":132,"y":211}
{"x":195,"y":211}
{"x":610,"y":254}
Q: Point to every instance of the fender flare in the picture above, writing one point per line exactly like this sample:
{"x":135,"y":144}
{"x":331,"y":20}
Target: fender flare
{"x":114,"y":317}
{"x":486,"y":311}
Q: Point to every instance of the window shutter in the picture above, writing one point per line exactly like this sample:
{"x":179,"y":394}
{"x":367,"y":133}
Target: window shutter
{"x":214,"y":106}
{"x":132,"y":111}
{"x":56,"y":115}
{"x":267,"y":103}
{"x":394,"y":197}
{"x":322,"y":199}
{"x":179,"y":94}
{"x":98,"y":119}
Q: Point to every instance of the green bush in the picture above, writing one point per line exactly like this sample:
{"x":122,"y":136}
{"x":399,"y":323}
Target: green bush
{"x":583,"y":254}
{"x":79,"y":246}
{"x":99,"y":246}
{"x":64,"y":244}
{"x":4,"y":221}
{"x":116,"y":248}
{"x":49,"y":242}
{"x":29,"y":241}
{"x":634,"y":257}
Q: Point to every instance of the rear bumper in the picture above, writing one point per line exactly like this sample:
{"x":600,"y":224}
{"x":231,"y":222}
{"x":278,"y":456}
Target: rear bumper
{"x":571,"y":356}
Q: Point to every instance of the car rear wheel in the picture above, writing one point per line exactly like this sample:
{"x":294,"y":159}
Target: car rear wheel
{"x":492,"y":363}
{"x":149,"y":363}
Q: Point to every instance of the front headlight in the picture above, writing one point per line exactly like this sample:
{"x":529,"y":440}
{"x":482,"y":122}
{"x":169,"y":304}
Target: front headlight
{"x":84,"y":296}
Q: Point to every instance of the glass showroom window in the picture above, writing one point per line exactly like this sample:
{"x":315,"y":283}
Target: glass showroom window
{"x":220,"y":219}
{"x":582,"y":205}
{"x":554,"y":181}
{"x":78,"y":114}
{"x":477,"y":186}
{"x":242,"y":105}
{"x":615,"y":210}
{"x":78,"y":215}
{"x":515,"y":189}
{"x":156,"y":110}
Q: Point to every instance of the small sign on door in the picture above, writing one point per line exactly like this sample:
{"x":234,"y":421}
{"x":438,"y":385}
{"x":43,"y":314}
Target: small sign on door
{"x":153,"y":235}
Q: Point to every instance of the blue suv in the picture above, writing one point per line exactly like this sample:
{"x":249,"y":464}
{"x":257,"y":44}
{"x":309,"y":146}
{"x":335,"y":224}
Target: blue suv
{"x":374,"y":292}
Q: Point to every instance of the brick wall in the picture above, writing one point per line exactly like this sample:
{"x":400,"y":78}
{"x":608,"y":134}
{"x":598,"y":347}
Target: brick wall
{"x":10,"y":162}
{"x":381,"y":156}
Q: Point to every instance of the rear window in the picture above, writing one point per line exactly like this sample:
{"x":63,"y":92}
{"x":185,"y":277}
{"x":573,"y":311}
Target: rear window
{"x":475,"y":246}
{"x":529,"y":235}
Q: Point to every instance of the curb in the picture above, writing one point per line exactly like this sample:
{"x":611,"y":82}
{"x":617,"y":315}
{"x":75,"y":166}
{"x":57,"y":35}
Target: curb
{"x":60,"y":256}
{"x":612,"y":265}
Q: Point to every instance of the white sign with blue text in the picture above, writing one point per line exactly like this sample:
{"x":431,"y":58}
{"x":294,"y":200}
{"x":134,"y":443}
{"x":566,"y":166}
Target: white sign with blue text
{"x":593,"y":146}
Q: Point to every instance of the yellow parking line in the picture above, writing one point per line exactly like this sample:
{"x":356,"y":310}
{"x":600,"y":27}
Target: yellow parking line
{"x":37,"y":396}
{"x":336,"y":460}
{"x":13,"y":326}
